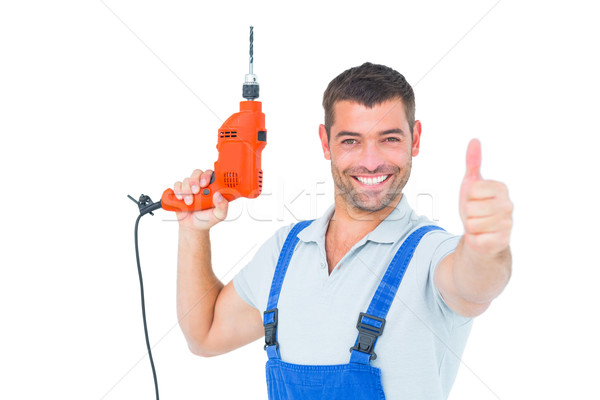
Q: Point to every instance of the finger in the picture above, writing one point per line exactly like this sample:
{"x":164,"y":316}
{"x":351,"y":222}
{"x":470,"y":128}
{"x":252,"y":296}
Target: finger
{"x":205,"y":178}
{"x":195,"y":180}
{"x":474,"y":159}
{"x":480,"y":208}
{"x":221,"y":206}
{"x":177,"y":190}
{"x":494,"y":223}
{"x":487,"y":189}
{"x":488,"y":243}
{"x":476,"y":208}
{"x":187,"y":192}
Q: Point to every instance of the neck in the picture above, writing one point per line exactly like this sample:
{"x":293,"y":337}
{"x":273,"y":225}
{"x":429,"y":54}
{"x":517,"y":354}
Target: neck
{"x":349,"y":221}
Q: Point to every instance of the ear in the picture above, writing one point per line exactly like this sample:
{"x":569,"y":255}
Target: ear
{"x":324,"y":141}
{"x":416,"y":143}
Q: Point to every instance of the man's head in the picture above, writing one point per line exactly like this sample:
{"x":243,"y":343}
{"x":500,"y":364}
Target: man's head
{"x":369,"y":85}
{"x":370,"y":135}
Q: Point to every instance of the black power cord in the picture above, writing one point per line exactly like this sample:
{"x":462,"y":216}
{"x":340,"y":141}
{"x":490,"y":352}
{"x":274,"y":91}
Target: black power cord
{"x":146,"y":206}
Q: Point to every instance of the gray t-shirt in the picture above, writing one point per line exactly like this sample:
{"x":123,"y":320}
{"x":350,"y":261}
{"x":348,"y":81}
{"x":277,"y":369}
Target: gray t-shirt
{"x":423,"y":339}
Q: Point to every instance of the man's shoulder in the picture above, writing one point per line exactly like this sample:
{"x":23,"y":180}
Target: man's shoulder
{"x":278,"y":238}
{"x":437,"y":240}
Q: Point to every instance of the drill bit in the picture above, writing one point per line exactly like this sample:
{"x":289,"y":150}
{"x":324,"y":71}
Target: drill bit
{"x":250,"y":89}
{"x":251,"y":48}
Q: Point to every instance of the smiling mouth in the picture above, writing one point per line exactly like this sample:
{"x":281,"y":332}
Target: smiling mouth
{"x":371,"y":180}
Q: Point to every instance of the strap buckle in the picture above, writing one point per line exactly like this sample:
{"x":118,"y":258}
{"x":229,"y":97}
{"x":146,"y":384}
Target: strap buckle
{"x":368,"y":334}
{"x":271,"y":329}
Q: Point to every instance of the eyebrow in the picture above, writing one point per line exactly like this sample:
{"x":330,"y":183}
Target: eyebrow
{"x":356,"y":134}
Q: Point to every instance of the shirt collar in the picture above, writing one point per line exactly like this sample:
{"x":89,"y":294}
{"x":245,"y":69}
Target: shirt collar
{"x":389,"y":230}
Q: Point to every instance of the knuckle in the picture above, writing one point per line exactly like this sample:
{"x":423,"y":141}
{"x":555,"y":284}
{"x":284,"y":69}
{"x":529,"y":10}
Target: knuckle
{"x":501,"y":188}
{"x":207,"y":173}
{"x":219,"y":214}
{"x":510,"y":207}
{"x":177,"y":189}
{"x":471,"y":226}
{"x":473,"y":240}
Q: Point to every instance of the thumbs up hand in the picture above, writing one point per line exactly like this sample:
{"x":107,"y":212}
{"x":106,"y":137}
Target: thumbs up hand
{"x":485,"y":208}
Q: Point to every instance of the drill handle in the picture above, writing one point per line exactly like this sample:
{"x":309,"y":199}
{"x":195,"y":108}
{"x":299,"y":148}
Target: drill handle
{"x":203,"y":200}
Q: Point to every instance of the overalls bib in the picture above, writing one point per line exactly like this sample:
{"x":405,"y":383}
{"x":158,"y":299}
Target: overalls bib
{"x":352,"y":381}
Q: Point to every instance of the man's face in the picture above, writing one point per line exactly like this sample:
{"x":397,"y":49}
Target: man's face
{"x":371,"y":153}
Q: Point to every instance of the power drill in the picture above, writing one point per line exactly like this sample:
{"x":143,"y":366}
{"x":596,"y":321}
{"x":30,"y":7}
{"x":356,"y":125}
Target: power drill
{"x":236,"y":173}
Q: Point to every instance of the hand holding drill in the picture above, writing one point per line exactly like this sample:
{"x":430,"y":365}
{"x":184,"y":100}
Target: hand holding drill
{"x":204,"y":219}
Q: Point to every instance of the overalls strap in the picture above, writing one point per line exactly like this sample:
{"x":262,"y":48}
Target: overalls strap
{"x":270,"y":315}
{"x":370,"y":324}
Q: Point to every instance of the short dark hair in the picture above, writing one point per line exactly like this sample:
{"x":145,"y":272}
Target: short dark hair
{"x":369,"y":85}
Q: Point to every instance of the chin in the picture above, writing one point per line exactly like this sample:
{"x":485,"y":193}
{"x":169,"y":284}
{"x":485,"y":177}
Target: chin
{"x":372,"y":206}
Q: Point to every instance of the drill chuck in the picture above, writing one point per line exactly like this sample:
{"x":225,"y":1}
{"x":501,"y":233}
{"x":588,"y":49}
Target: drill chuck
{"x":251,"y":88}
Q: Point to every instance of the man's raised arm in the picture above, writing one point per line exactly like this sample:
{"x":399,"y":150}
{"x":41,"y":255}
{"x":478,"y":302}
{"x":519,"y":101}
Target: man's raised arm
{"x":477,"y":272}
{"x":213,"y":317}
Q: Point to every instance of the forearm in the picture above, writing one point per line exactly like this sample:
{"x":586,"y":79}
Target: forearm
{"x":480,"y":278}
{"x":197,"y":286}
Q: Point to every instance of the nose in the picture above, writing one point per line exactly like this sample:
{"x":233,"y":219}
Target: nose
{"x":370,"y":156}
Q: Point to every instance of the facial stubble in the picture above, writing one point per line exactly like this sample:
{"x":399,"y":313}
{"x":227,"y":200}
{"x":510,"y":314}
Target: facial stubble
{"x":358,"y":198}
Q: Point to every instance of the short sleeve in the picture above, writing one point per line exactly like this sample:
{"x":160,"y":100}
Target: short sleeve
{"x":434,"y":247}
{"x":253,"y":282}
{"x":444,"y":247}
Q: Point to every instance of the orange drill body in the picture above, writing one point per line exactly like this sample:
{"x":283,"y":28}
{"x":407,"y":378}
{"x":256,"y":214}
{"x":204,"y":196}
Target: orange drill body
{"x":237,"y":171}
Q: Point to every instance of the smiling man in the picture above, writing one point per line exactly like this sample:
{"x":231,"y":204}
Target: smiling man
{"x":369,"y":301}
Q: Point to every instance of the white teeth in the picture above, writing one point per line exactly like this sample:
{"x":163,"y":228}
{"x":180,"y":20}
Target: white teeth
{"x":372,"y":181}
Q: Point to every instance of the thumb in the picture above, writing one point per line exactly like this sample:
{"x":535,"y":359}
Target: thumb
{"x":474,"y":160}
{"x":221,"y":206}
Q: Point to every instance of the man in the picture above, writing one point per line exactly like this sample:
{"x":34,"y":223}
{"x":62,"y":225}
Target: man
{"x":330,"y":269}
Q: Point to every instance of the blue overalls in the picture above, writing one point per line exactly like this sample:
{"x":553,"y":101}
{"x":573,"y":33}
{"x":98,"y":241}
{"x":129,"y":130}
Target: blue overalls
{"x":357,"y":379}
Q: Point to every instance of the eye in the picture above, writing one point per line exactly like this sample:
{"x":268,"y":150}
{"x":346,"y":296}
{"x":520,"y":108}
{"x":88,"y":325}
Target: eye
{"x":349,"y":141}
{"x":392,"y":139}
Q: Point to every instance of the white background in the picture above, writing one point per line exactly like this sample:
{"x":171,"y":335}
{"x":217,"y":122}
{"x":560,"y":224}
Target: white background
{"x":100,"y":100}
